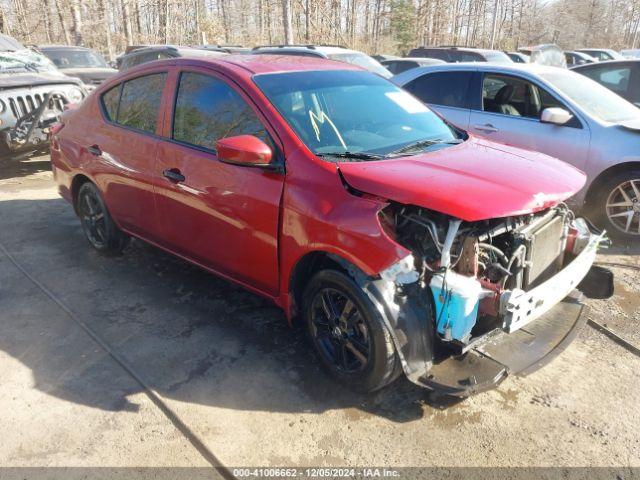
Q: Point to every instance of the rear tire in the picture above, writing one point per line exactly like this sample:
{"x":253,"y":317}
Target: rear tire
{"x":348,"y":333}
{"x":98,"y":226}
{"x":616,"y":205}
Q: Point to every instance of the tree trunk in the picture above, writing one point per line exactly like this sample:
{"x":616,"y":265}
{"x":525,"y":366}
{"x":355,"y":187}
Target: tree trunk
{"x":104,"y":11}
{"x":288,"y":30}
{"x":76,"y":22}
{"x":63,"y":24}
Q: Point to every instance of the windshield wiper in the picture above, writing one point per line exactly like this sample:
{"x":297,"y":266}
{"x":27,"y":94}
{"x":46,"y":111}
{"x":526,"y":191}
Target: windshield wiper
{"x":419,"y":144}
{"x":351,"y":155}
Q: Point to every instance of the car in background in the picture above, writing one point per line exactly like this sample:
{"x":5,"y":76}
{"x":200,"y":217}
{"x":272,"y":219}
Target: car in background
{"x":619,"y":76}
{"x":601,"y":54}
{"x":401,"y":244}
{"x":630,"y":53}
{"x":554,"y":111}
{"x":237,"y":49}
{"x":461,"y":54}
{"x":518,"y":57}
{"x":545,"y":54}
{"x":381,"y":57}
{"x":399,"y":65}
{"x":84,"y":63}
{"x":578,"y":58}
{"x":160,"y":52}
{"x":33,"y":93}
{"x":331,"y":52}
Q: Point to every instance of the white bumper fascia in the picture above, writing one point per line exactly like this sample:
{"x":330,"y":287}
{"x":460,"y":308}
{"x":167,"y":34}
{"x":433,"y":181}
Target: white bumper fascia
{"x":518,"y":308}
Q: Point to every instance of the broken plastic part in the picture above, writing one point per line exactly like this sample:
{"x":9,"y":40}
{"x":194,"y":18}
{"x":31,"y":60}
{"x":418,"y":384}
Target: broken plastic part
{"x":445,"y":258}
{"x":402,"y":272}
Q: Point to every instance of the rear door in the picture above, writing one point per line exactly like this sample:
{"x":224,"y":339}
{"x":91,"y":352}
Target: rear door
{"x":126,"y":145}
{"x":448,"y":93}
{"x":521,"y":127}
{"x":224,"y":217}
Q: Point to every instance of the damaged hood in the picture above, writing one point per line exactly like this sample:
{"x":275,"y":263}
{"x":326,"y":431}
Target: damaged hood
{"x":476,"y":180}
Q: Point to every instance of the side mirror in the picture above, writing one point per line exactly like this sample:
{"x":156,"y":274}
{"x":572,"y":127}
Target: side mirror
{"x":245,"y":150}
{"x":555,"y":115}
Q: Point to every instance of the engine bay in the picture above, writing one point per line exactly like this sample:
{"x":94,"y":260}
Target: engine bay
{"x":469,"y":266}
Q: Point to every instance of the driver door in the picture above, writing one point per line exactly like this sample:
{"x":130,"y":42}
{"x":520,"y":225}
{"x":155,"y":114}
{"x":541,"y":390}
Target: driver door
{"x":222,"y":216}
{"x":521,"y":126}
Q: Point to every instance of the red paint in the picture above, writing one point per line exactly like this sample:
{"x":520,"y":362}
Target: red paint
{"x":253,"y":225}
{"x":244,"y":150}
{"x":475,"y":180}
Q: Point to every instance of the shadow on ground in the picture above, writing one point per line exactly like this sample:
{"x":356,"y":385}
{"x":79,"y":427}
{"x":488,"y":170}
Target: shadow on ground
{"x":192,"y":336}
{"x":18,"y":166}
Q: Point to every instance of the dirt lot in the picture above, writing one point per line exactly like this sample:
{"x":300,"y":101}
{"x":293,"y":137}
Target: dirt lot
{"x":245,"y":385}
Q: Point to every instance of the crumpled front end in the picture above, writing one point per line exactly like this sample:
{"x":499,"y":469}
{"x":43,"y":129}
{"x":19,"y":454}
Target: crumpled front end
{"x":479,"y":300}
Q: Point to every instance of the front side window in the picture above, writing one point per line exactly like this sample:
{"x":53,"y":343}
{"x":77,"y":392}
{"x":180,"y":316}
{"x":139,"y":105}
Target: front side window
{"x":344,"y":112}
{"x":516,"y":97}
{"x":449,"y":89}
{"x":140,"y":102}
{"x":207,"y":109}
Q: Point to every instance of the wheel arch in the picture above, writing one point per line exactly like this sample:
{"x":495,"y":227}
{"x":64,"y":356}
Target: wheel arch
{"x":77,"y":182}
{"x":309,"y":264}
{"x":604,"y":175}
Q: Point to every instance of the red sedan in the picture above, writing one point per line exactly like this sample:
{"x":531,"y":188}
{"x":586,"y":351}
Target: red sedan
{"x":403,"y":243}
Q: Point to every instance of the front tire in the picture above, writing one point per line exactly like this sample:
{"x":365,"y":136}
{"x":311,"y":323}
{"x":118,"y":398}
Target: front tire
{"x":616,"y":205}
{"x":98,"y":226}
{"x":348,"y":333}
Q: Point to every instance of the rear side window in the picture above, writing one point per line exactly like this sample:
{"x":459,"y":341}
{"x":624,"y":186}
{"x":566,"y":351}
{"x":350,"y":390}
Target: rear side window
{"x":110,"y":101}
{"x":616,"y":79}
{"x":207,"y":110}
{"x":449,"y":89}
{"x":140,"y":102}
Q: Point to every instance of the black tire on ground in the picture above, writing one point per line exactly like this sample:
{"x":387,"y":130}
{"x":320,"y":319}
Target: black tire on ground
{"x":615,"y":205}
{"x":98,"y":226}
{"x":348,"y":333}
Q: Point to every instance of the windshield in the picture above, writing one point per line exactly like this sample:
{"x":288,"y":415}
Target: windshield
{"x":25,"y":60}
{"x":497,"y":57}
{"x":338,"y":111}
{"x":68,"y":58}
{"x":592,"y":97}
{"x":362,"y":60}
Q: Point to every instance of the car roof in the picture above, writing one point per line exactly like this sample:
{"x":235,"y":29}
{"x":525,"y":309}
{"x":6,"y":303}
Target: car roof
{"x":606,"y":63}
{"x":249,"y":65}
{"x":8,"y":43}
{"x":61,"y":47}
{"x":459,"y":49}
{"x":594,"y":50}
{"x":516,"y":68}
{"x":322,"y":49}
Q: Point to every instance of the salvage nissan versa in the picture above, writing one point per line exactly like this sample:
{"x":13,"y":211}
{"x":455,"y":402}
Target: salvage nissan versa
{"x":402,"y":243}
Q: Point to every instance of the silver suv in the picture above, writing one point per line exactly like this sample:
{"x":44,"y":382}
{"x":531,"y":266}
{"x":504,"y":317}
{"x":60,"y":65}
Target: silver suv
{"x":554,"y":111}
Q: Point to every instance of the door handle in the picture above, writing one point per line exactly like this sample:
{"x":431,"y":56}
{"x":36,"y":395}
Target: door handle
{"x":486,"y":128}
{"x":94,"y":150}
{"x":174,"y":175}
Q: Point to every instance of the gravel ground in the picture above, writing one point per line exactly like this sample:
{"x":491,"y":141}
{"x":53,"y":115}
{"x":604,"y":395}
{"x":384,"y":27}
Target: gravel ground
{"x":246,"y":385}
